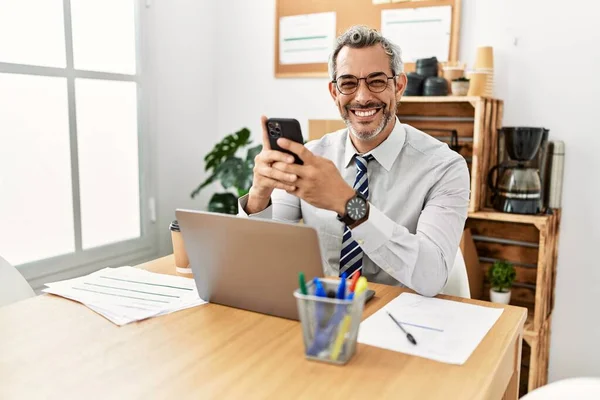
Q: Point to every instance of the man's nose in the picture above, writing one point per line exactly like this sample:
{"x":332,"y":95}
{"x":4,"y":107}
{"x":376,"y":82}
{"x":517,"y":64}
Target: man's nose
{"x":363,"y":94}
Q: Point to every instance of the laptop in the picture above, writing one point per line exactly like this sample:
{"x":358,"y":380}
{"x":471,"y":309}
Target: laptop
{"x":248,"y":263}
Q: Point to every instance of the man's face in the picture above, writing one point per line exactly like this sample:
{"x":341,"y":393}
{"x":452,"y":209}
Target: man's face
{"x":366,"y":112}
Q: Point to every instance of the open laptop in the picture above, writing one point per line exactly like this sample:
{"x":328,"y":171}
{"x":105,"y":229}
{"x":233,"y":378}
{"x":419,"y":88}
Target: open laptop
{"x":248,"y":263}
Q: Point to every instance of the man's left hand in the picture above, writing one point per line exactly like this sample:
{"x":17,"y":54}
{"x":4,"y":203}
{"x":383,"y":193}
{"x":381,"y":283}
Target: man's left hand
{"x":319,"y":181}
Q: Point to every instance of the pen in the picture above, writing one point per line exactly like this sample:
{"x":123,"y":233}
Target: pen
{"x":319,"y":335}
{"x":302,"y":283}
{"x":319,"y":289}
{"x":319,"y":292}
{"x":341,"y":291}
{"x":408,"y":335}
{"x":345,"y":325}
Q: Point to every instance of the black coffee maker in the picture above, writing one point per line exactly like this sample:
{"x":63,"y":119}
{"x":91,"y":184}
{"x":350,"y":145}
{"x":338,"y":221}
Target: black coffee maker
{"x":522,"y":166}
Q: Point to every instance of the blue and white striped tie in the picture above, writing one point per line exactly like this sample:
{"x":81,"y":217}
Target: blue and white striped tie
{"x":351,"y":257}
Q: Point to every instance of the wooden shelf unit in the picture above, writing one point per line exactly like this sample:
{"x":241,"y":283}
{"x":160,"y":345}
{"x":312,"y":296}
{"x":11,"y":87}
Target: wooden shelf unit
{"x":530,"y":242}
{"x":476,"y":120}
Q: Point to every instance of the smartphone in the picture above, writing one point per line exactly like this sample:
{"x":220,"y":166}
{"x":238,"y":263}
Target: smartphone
{"x":288,"y":128}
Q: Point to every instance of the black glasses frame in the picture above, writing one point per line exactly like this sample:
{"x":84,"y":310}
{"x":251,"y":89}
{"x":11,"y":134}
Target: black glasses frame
{"x":373,"y":74}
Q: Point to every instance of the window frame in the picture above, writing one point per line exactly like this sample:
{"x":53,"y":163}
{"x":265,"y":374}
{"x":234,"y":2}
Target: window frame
{"x":130,"y":251}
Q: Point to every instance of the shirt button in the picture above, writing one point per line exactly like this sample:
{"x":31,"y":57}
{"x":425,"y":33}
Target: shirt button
{"x":360,"y":241}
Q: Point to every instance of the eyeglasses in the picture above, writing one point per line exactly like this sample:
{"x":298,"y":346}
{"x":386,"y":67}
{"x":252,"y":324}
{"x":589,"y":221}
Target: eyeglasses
{"x":377,"y":82}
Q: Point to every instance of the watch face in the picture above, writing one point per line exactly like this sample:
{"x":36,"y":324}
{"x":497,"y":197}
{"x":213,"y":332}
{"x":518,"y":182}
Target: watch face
{"x":356,"y":208}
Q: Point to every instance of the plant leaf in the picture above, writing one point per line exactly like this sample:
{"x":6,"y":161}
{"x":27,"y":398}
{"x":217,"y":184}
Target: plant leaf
{"x":227,"y":148}
{"x":501,"y":275}
{"x":229,"y":171}
{"x":224,"y":203}
{"x":252,"y":153}
{"x":244,"y":176}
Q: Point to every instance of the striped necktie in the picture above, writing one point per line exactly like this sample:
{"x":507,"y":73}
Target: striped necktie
{"x":351,"y":257}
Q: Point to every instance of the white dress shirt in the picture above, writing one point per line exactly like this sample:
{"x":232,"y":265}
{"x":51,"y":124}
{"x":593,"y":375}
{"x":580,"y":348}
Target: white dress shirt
{"x":418,"y":195}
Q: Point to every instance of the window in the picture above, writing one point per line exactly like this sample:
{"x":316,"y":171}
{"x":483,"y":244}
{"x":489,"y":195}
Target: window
{"x":71,"y":140}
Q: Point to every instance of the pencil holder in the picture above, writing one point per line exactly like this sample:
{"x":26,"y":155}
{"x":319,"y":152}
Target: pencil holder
{"x":329,"y":325}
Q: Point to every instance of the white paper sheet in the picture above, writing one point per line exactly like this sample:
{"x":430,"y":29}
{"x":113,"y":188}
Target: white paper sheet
{"x":128,"y":294}
{"x":305,"y":39}
{"x":446,"y":331}
{"x":420,"y":32}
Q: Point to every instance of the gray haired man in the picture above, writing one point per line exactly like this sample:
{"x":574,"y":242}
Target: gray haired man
{"x":387,"y":199}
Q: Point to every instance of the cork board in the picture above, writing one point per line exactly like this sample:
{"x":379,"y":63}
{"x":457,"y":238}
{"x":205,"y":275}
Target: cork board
{"x":348,"y":13}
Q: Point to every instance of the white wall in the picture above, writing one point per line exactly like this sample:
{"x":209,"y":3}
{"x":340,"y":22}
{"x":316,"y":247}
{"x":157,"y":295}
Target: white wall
{"x":245,"y":66}
{"x":556,"y":45}
{"x":182,"y":117}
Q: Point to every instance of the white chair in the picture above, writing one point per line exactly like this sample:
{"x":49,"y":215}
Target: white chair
{"x":458,"y":281}
{"x":13,"y":287}
{"x":571,"y":388}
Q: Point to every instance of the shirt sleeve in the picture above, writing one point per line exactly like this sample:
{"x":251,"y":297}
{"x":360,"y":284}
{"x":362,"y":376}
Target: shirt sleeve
{"x":422,"y":261}
{"x":284,"y":208}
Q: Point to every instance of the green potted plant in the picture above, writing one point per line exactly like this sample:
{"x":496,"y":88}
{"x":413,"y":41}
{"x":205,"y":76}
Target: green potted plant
{"x":460,"y":86}
{"x":232,"y":171}
{"x":501,"y":275}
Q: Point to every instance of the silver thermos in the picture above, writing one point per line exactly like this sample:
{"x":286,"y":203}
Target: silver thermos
{"x":557,"y":160}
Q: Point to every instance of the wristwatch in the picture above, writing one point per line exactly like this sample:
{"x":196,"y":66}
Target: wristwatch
{"x":356,"y":209}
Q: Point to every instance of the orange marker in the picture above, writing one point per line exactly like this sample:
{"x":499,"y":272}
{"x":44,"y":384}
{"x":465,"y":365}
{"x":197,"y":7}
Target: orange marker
{"x":354,"y":280}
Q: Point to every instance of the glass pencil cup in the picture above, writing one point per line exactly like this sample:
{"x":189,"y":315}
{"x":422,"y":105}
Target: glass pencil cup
{"x":329,"y":325}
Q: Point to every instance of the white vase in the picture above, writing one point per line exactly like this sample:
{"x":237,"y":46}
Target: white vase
{"x":500,"y":297}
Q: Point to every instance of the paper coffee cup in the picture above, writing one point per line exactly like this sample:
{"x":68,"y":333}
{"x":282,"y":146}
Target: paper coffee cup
{"x":182,"y":263}
{"x":484,"y":58}
{"x":479,"y":84}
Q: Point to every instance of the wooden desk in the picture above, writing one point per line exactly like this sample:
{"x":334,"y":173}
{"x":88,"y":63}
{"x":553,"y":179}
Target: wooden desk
{"x":51,"y":347}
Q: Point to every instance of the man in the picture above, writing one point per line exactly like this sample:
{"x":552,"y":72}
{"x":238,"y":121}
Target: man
{"x":387,"y":200}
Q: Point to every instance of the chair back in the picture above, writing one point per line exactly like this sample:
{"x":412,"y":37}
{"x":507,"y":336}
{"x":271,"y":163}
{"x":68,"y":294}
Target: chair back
{"x":13,"y":287}
{"x":458,"y":280}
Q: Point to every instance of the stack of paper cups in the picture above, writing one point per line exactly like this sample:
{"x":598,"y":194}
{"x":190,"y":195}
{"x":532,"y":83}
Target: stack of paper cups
{"x":482,"y":77}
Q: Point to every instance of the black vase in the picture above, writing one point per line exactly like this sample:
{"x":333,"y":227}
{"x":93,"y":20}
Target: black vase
{"x":414,"y":86}
{"x":435,"y":86}
{"x":427,"y":67}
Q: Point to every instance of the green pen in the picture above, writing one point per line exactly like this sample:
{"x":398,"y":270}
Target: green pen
{"x":302,"y":283}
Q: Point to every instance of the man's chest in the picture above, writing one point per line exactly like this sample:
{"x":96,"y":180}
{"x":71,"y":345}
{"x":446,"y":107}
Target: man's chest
{"x":399,"y":194}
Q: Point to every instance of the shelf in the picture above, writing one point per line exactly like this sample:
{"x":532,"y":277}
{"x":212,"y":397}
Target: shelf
{"x":528,"y":332}
{"x":538,"y":220}
{"x":441,"y":99}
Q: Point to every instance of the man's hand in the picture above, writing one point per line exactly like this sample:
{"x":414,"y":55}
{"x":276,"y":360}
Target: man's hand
{"x":318,"y":182}
{"x":265,"y":177}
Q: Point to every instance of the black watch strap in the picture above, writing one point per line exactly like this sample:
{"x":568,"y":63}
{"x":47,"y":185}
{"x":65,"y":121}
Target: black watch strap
{"x":346,"y":219}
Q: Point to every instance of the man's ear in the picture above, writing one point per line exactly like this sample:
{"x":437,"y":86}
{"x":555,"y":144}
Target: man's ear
{"x":333,"y":91}
{"x":401,"y":82}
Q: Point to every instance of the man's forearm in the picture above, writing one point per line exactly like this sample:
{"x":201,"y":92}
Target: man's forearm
{"x":256,"y":203}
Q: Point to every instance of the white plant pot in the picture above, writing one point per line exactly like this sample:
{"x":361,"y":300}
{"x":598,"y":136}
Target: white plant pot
{"x":500,"y":297}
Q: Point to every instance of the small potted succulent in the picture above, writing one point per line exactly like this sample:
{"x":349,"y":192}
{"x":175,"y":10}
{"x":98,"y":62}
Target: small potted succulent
{"x":460,"y":86}
{"x":501,"y":275}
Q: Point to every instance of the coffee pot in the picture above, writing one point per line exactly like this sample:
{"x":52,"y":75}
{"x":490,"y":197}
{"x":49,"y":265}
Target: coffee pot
{"x":517,"y":187}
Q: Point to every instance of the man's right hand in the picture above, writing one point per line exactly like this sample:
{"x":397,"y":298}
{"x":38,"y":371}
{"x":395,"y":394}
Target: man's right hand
{"x":266,"y":178}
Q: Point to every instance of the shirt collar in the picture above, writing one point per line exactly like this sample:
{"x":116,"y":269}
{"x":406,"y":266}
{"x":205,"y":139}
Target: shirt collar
{"x":386,"y":153}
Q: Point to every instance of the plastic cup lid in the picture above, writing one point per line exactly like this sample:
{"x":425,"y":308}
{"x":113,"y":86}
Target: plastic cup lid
{"x":174,"y":226}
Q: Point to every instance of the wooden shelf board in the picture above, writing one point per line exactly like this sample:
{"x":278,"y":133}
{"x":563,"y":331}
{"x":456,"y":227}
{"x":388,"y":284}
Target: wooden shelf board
{"x":440,"y":99}
{"x":537,"y":220}
{"x":528,"y":332}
